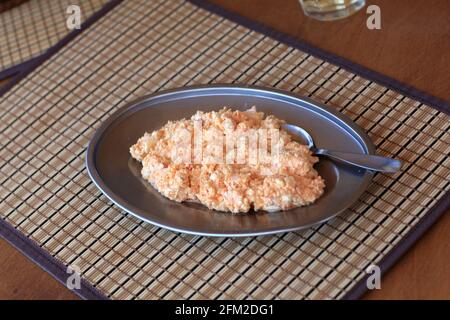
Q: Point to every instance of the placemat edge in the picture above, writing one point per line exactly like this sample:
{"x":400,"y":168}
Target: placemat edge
{"x":47,"y":262}
{"x":18,"y":68}
{"x":432,"y":216}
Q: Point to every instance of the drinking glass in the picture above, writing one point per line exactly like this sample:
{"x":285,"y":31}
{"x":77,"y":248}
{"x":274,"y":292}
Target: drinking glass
{"x":331,"y":9}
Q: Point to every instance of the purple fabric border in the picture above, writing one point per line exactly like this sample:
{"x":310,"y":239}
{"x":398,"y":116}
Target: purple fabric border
{"x":58,"y":270}
{"x":18,"y":68}
{"x":404,"y":244}
{"x":47,"y":262}
{"x":24,"y":244}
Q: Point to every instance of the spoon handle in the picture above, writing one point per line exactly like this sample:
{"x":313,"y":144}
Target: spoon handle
{"x":366,"y":161}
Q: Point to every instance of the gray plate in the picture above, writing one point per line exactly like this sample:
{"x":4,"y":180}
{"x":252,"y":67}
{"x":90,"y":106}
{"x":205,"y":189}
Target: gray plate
{"x":117,"y":175}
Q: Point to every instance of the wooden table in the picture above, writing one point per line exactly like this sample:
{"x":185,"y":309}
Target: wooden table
{"x":413,"y":46}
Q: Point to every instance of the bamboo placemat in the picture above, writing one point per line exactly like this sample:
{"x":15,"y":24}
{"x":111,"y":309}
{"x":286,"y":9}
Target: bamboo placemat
{"x":30,"y":28}
{"x":141,"y":47}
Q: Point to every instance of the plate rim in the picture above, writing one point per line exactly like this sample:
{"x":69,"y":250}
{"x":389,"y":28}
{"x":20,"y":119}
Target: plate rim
{"x":94,"y":175}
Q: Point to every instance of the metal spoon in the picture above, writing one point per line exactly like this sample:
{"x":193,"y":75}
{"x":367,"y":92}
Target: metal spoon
{"x":375,"y":163}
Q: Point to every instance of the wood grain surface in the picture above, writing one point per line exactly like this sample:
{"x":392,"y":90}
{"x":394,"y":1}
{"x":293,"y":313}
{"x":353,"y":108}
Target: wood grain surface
{"x":413,"y":46}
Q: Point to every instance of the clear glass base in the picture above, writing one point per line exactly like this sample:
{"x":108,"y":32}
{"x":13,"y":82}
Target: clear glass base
{"x":328,"y":10}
